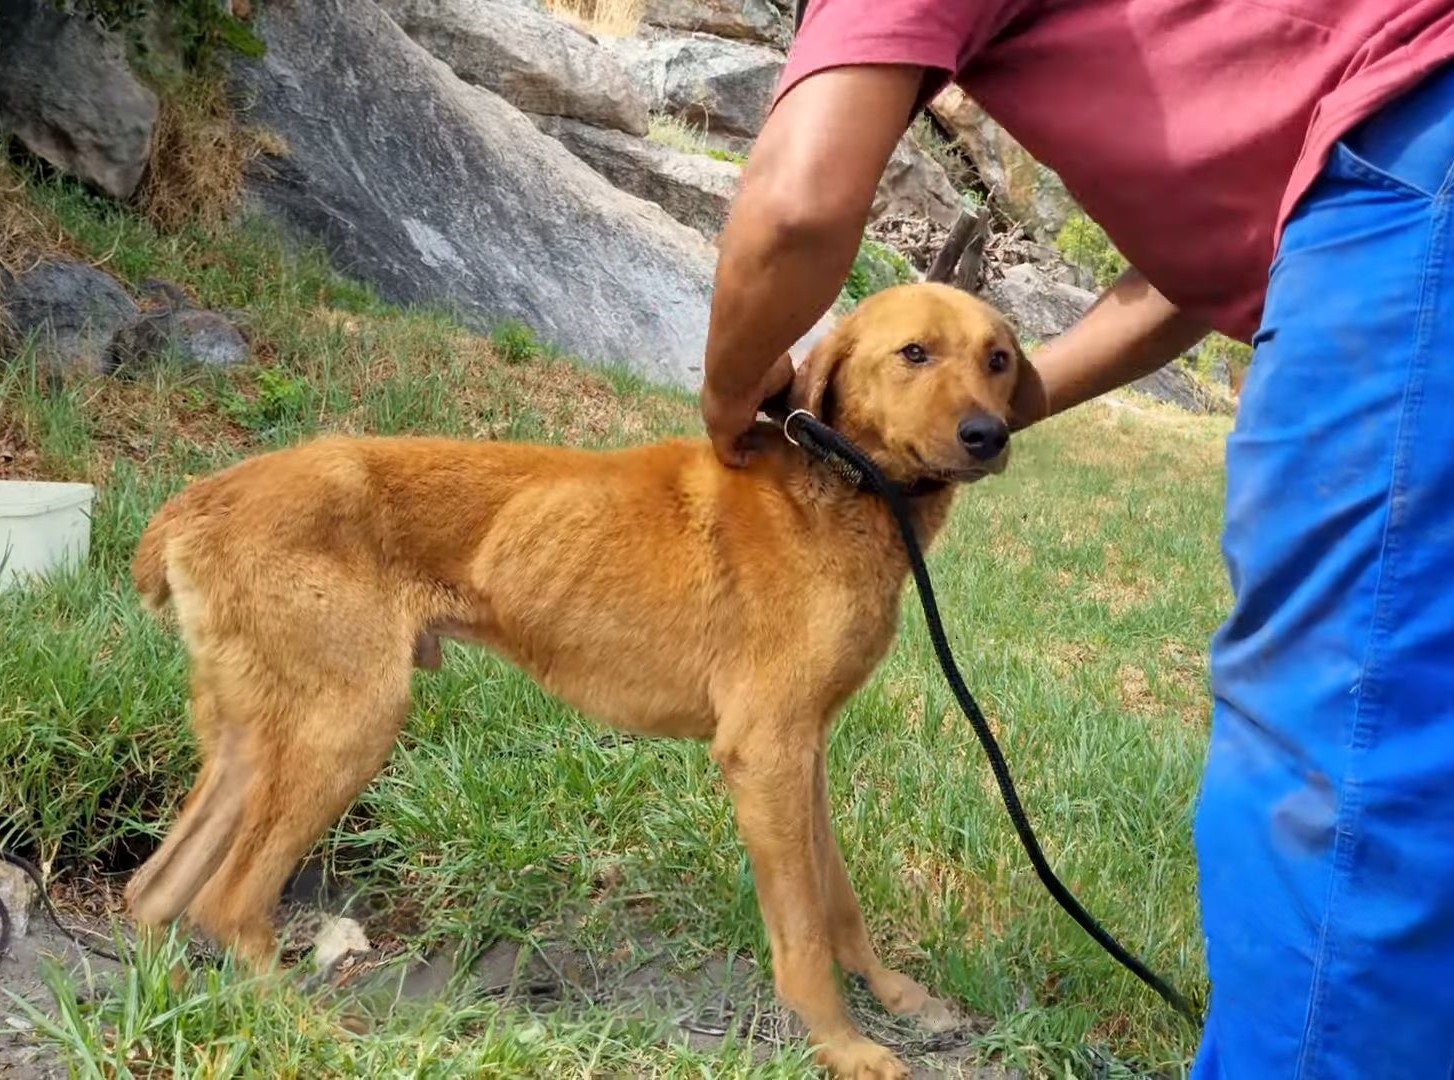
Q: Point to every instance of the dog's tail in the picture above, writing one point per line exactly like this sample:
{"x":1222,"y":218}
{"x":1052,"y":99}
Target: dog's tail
{"x":149,"y":564}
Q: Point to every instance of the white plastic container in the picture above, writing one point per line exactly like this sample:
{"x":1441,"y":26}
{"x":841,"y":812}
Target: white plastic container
{"x":43,"y":527}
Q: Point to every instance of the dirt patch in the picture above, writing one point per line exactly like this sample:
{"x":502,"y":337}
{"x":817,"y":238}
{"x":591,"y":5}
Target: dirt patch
{"x":702,"y":1001}
{"x":1134,"y":690}
{"x":22,"y":973}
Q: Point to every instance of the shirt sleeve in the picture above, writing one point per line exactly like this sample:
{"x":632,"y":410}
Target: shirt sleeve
{"x":938,"y":35}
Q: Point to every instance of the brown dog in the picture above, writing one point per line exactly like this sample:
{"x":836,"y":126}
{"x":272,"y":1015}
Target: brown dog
{"x":652,"y":588}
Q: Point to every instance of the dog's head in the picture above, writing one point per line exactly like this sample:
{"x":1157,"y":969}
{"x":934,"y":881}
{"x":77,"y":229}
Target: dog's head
{"x":925,"y":378}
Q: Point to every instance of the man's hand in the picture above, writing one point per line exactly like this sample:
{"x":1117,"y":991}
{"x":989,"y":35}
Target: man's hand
{"x":794,"y":229}
{"x":730,"y":415}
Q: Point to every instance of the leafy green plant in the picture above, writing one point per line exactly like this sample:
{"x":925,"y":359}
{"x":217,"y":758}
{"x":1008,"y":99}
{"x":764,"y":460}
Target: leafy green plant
{"x":874,"y":269}
{"x":281,"y":399}
{"x":201,"y":27}
{"x":1086,"y":245}
{"x":514,"y":342}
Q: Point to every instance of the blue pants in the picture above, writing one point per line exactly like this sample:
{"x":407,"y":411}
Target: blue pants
{"x":1325,"y":825}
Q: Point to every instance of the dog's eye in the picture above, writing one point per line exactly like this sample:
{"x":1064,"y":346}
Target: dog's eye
{"x":914,"y":353}
{"x":999,"y":361}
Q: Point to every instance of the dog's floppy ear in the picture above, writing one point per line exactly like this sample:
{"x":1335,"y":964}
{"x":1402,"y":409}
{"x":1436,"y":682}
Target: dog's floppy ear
{"x":810,"y":384}
{"x":1027,"y":402}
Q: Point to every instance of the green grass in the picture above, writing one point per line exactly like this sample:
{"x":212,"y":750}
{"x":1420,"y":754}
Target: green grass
{"x":684,"y":136}
{"x":1079,"y":589}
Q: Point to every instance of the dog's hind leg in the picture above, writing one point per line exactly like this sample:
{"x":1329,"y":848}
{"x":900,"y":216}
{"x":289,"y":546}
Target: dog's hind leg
{"x":166,"y":883}
{"x":308,"y":765}
{"x":853,"y":950}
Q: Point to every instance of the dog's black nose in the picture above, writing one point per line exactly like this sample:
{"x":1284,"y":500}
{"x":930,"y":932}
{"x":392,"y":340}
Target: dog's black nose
{"x":984,"y":436}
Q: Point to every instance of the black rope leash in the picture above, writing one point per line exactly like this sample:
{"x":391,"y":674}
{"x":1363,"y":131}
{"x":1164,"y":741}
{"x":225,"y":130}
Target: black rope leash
{"x":853,"y":465}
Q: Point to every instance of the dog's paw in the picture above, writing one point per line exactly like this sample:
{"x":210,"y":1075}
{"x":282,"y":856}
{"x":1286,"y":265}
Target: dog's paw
{"x":857,"y":1058}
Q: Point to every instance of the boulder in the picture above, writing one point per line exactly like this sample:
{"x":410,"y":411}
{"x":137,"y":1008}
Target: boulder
{"x":1175,"y":385}
{"x":756,"y":21}
{"x":67,"y":94}
{"x":1038,"y":306}
{"x":537,"y":63}
{"x":915,"y":185}
{"x":1029,"y":191}
{"x":695,"y":189}
{"x":72,"y":311}
{"x":1041,"y":308}
{"x":722,"y":87}
{"x":441,"y":192}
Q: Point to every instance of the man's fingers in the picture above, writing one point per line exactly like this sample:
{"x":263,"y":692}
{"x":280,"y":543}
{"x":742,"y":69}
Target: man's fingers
{"x":728,"y":452}
{"x":779,"y":376}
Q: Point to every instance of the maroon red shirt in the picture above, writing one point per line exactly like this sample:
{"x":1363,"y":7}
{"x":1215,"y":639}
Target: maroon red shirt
{"x":1187,"y":128}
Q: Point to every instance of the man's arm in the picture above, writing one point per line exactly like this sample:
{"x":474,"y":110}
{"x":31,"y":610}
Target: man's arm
{"x":1131,"y":331}
{"x":794,"y":229}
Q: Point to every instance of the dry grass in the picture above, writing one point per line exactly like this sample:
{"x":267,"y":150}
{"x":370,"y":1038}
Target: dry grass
{"x":614,"y":18}
{"x":25,"y":233}
{"x":199,"y":157}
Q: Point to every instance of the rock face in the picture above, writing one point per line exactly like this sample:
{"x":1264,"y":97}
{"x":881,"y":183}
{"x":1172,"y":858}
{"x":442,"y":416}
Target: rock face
{"x":1175,"y":385}
{"x":66,"y":92}
{"x":72,"y":310}
{"x":1030,"y":191}
{"x":441,"y":192}
{"x":723,"y":87}
{"x":536,"y":63}
{"x":1041,"y":308}
{"x":756,"y":21}
{"x":1037,"y":306}
{"x":695,"y":189}
{"x":915,"y":184}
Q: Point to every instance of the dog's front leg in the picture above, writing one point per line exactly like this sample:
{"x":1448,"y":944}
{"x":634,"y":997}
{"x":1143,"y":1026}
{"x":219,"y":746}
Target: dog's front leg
{"x":772,"y":779}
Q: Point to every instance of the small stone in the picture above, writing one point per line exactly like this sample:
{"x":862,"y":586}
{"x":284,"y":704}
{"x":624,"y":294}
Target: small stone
{"x":204,"y":337}
{"x":337,"y":938}
{"x":190,"y":336}
{"x":19,"y":895}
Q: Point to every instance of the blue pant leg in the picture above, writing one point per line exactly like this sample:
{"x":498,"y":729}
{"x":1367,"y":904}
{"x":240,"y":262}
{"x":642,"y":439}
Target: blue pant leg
{"x":1325,"y":827}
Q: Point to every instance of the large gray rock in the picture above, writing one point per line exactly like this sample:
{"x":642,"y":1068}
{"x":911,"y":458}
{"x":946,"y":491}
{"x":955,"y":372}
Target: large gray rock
{"x":67,"y":94}
{"x":441,"y":192}
{"x":1175,"y":385}
{"x":915,"y":185}
{"x":70,"y":310}
{"x":1041,"y":308}
{"x":1028,"y":190}
{"x":723,"y":87}
{"x":695,"y":189}
{"x":744,"y":20}
{"x":1038,"y":306}
{"x":537,"y":63}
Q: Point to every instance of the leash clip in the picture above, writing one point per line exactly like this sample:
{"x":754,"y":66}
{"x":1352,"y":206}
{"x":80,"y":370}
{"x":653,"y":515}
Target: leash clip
{"x":787,"y":424}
